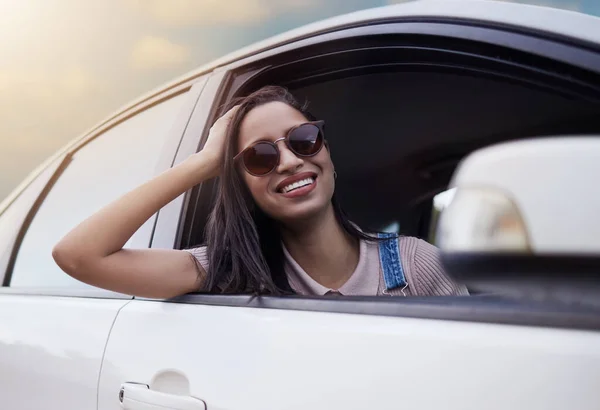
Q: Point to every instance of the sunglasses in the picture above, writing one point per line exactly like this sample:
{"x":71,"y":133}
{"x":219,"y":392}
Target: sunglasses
{"x":262,"y":157}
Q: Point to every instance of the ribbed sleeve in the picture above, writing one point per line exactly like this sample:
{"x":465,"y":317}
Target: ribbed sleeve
{"x":200,"y":257}
{"x":421,"y":262}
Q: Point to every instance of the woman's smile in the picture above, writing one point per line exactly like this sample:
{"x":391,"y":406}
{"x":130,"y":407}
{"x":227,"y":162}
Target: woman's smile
{"x":297,"y":185}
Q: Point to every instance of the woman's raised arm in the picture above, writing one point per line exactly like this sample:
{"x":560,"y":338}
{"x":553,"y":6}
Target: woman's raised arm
{"x":93,"y":251}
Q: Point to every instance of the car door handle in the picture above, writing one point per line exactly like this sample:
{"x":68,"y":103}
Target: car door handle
{"x":137,"y":396}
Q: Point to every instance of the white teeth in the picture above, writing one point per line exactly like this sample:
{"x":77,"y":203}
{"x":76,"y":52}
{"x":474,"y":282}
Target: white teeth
{"x":297,"y":184}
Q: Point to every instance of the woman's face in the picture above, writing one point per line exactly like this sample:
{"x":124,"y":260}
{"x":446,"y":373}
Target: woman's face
{"x":269,"y":122}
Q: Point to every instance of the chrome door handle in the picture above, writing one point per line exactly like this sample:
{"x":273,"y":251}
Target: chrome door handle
{"x":138,"y":396}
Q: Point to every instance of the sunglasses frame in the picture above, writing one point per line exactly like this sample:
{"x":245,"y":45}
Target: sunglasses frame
{"x":319,"y":124}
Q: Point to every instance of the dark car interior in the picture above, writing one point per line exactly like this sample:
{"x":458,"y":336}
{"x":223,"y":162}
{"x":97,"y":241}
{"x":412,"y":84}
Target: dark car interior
{"x":396,"y":138}
{"x":401,"y":113}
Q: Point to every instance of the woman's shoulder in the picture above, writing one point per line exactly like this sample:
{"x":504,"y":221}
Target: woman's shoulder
{"x":419,"y":248}
{"x":423,"y":263}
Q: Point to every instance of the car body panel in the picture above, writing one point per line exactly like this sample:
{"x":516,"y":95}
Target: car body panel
{"x":238,"y":358}
{"x":51,"y":350}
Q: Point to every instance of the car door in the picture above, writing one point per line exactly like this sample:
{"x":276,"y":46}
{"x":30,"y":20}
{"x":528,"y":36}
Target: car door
{"x":54,"y":329}
{"x":229,"y":352}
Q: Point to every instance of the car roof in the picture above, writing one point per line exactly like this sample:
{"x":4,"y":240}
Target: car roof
{"x":558,"y":22}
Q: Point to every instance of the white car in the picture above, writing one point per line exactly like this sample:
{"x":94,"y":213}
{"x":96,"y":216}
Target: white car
{"x":408,"y":91}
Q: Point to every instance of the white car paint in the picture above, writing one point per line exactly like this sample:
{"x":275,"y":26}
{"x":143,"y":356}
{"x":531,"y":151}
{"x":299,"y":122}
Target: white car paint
{"x":236,"y":358}
{"x":51,"y":350}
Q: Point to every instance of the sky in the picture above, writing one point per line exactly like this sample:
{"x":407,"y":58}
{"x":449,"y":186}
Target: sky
{"x":65,"y":65}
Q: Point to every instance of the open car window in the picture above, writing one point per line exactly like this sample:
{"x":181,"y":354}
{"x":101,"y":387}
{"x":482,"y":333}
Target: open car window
{"x":402,"y":111}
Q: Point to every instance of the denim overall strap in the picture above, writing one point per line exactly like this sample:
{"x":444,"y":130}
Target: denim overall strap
{"x":389,"y":257}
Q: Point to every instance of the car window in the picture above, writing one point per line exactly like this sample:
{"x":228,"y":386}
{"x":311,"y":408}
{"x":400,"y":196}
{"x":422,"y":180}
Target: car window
{"x":393,"y":154}
{"x":112,"y":164}
{"x":387,"y":184}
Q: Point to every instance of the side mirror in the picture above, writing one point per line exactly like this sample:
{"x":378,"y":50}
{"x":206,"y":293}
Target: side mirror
{"x":524,"y":220}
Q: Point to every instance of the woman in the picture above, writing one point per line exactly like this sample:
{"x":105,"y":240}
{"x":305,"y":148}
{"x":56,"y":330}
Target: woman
{"x":276,"y":227}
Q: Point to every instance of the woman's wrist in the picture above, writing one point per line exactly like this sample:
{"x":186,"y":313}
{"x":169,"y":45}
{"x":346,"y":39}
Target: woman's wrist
{"x":202,"y":166}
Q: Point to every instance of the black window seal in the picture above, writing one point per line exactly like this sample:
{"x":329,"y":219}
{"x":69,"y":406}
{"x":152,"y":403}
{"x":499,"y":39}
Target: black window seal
{"x":174,"y":140}
{"x":536,"y":78}
{"x":565,"y":49}
{"x":195,"y":136}
{"x":478,"y":309}
{"x":521,"y":30}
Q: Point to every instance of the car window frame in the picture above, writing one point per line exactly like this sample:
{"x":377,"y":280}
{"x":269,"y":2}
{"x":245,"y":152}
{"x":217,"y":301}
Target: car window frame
{"x":168,"y":225}
{"x":193,"y":89}
{"x":238,"y":73}
{"x":471,"y":309}
{"x":223,"y":83}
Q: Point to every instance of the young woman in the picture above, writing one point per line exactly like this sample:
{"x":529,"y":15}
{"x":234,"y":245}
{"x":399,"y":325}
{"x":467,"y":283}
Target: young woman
{"x":276,"y":227}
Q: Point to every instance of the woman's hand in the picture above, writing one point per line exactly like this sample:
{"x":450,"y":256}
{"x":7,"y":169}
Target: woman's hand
{"x":214,"y":148}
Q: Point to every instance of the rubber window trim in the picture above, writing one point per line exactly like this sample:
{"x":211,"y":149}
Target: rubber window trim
{"x":479,"y":309}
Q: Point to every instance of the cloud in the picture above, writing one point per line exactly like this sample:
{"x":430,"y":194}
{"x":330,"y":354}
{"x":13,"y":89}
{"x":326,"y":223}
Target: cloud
{"x":152,"y":52}
{"x":46,"y":103}
{"x":43,"y":108}
{"x":44,"y":90}
{"x":76,"y":82}
{"x":230,"y":12}
{"x":188,"y":12}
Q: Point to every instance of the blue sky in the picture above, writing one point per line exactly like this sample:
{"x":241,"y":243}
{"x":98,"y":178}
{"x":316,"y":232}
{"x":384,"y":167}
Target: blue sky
{"x":67,"y":64}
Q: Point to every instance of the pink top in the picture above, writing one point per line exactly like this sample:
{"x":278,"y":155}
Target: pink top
{"x":420,"y":262}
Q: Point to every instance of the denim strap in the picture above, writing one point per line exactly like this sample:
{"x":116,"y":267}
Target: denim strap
{"x":389,"y":257}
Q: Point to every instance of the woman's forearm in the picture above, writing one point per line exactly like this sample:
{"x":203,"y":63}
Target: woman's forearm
{"x":109,"y":229}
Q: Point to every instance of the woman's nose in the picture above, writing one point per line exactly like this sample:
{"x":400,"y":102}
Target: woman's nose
{"x":288,"y":161}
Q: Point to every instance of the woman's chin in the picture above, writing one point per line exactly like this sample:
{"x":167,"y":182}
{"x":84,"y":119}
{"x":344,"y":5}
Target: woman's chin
{"x":290,"y":210}
{"x":301,"y":212}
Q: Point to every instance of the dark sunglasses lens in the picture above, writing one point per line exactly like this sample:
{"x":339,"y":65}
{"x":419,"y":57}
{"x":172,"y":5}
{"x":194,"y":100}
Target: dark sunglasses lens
{"x":306,"y":140}
{"x":261,"y":158}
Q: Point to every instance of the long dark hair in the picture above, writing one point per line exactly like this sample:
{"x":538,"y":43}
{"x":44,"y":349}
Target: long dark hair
{"x":245,"y":254}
